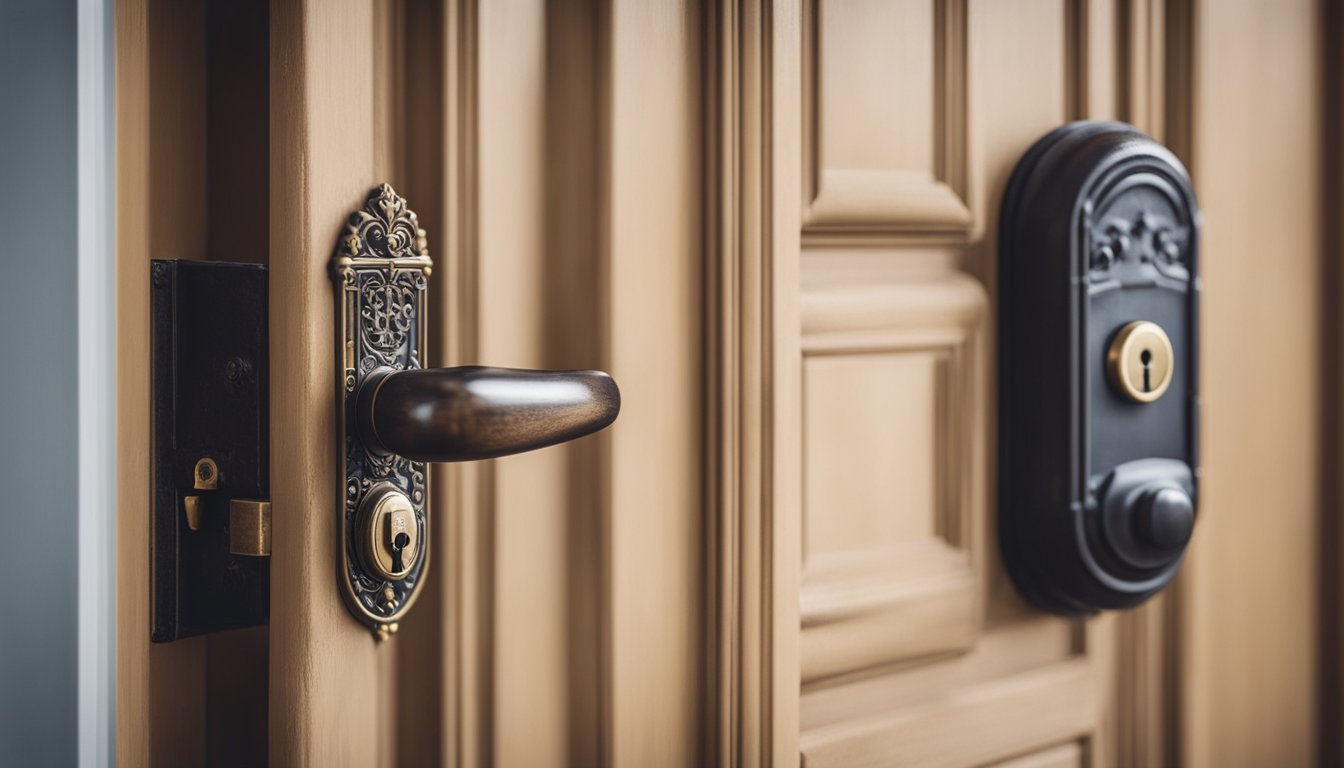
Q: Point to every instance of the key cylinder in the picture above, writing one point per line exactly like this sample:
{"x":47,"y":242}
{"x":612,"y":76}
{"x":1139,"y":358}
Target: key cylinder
{"x":389,"y":536}
{"x":1140,"y":361}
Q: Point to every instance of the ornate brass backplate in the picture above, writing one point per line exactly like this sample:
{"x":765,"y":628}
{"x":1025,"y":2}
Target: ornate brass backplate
{"x":380,"y":270}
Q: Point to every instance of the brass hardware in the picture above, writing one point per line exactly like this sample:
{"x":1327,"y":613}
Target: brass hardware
{"x":380,"y":270}
{"x":389,"y":536}
{"x":395,"y":415}
{"x":193,"y":508}
{"x":250,"y":527}
{"x":1141,"y":361}
{"x":206,"y":475}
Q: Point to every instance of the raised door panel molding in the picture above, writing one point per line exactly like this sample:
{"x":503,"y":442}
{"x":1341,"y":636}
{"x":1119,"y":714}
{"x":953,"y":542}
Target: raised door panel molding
{"x":913,"y":647}
{"x":967,"y":726}
{"x":891,"y":383}
{"x":1061,"y":756}
{"x":884,"y":117}
{"x":865,"y":609}
{"x":1070,"y":755}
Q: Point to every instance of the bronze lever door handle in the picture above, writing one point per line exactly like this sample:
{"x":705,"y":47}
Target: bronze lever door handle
{"x":475,"y":412}
{"x":395,"y":415}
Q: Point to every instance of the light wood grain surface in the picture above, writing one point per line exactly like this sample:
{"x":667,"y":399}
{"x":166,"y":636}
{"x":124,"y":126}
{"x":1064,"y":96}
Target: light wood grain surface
{"x":161,"y":689}
{"x":774,"y":223}
{"x":1249,"y":669}
{"x":329,"y":701}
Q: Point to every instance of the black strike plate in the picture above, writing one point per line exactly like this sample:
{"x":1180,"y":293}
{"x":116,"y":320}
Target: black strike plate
{"x":210,"y":428}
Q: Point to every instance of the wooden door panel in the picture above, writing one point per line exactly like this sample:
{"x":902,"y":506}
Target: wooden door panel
{"x":1069,"y":755}
{"x":884,"y":102}
{"x":915,"y":649}
{"x":891,"y":384}
{"x":574,"y":213}
{"x":1010,"y":695}
{"x":1251,"y":666}
{"x":524,"y":502}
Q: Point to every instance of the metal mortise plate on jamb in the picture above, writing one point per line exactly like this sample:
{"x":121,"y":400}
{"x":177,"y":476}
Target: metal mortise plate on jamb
{"x":210,"y":444}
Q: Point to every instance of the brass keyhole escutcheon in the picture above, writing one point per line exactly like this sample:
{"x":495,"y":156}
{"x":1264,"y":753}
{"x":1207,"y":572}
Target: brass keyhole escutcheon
{"x":1140,"y":361}
{"x":389,"y":538}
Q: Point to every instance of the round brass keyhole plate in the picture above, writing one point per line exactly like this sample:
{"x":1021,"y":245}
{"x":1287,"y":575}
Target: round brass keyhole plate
{"x":1140,"y":361}
{"x":389,"y":537}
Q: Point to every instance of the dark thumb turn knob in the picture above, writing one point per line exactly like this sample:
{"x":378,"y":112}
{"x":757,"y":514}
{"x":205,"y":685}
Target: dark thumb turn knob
{"x":1166,"y":518}
{"x":473,"y":412}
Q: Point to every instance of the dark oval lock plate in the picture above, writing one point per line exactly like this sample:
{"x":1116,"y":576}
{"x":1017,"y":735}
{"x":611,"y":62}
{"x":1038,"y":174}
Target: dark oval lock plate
{"x":1098,"y":360}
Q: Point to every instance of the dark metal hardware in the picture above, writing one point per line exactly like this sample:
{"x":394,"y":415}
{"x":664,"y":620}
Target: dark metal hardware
{"x":396,"y":415}
{"x":1098,"y":367}
{"x":210,"y":523}
{"x":211,"y":517}
{"x":473,"y":412}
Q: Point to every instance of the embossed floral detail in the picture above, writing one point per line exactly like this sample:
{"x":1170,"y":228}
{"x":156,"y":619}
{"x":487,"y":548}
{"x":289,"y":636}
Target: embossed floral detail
{"x":380,"y":464}
{"x":1109,"y":249}
{"x":1168,"y":250}
{"x":387,"y":311}
{"x":1145,"y":239}
{"x":384,"y":228}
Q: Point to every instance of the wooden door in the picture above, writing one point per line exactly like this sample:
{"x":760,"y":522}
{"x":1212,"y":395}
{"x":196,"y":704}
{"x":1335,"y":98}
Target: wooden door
{"x":913,"y":647}
{"x":773,"y":221}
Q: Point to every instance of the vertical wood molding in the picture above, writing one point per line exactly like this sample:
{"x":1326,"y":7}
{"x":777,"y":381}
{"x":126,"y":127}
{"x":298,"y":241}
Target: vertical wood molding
{"x":1154,"y":71}
{"x":753,"y":231}
{"x":464,"y":490}
{"x":1145,"y":686}
{"x":413,"y":141}
{"x":1259,"y":182}
{"x":524,"y":508}
{"x":327,"y":705}
{"x":446,"y":705}
{"x":1331,"y":651}
{"x":1095,"y":45}
{"x":160,"y":213}
{"x":578,"y":334}
{"x":192,"y":159}
{"x":782,"y":362}
{"x":1142,"y":71}
{"x":652,"y":215}
{"x":133,"y":704}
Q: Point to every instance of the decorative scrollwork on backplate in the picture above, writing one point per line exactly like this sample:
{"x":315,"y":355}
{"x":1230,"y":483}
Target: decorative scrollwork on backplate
{"x":1144,"y":239}
{"x":386,"y":313}
{"x":384,"y":228}
{"x":380,"y":270}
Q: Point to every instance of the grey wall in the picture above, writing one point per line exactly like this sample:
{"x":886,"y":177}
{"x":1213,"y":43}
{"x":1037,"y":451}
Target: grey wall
{"x":38,"y":437}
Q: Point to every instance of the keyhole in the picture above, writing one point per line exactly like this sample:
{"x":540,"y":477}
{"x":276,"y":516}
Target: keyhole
{"x":1146,"y":358}
{"x":398,"y":546}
